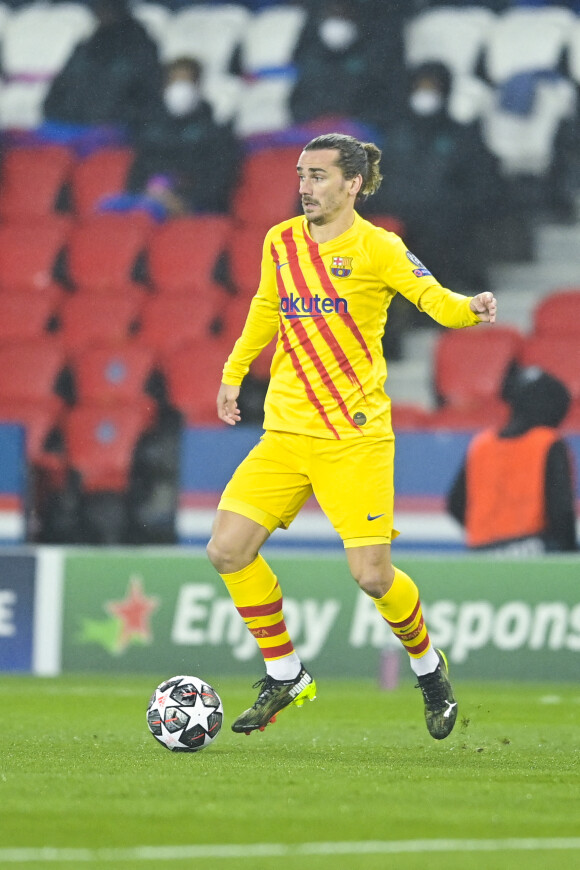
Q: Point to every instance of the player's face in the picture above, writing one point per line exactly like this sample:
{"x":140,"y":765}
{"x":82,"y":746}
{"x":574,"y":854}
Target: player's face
{"x":325,"y":193}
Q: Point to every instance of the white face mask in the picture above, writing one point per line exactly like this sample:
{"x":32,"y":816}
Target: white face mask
{"x":181,"y":97}
{"x":425,"y":102}
{"x":337,"y":34}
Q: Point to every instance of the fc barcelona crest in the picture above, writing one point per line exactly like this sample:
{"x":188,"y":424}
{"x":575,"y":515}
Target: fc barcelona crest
{"x":341,"y":267}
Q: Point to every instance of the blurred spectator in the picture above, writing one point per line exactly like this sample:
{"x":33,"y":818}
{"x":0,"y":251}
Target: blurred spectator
{"x":183,"y":143}
{"x":440,"y":181}
{"x":113,"y":77}
{"x":343,"y":69}
{"x":515,"y":491}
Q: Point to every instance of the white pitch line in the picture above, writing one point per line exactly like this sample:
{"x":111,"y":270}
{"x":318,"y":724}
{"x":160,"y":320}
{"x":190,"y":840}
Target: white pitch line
{"x":282,"y":850}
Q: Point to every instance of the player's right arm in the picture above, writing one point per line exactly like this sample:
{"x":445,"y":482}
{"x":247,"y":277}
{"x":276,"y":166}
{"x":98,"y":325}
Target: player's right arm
{"x":260,"y":327}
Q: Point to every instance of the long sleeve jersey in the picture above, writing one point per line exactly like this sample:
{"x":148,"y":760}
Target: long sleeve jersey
{"x":328,"y":305}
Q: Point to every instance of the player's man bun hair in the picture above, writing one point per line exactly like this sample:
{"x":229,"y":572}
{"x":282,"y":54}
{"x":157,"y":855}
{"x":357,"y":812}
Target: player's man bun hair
{"x":373,"y":181}
{"x":355,"y":158}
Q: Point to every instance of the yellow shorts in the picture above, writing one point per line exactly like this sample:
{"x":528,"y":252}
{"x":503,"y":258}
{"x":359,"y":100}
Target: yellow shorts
{"x":352,"y":481}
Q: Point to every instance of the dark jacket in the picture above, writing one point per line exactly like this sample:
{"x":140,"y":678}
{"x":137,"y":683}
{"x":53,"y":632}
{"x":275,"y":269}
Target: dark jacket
{"x":201,"y":155}
{"x":113,"y":77}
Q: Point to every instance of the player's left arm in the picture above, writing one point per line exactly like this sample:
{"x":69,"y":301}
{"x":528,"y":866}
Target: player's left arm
{"x":408,"y":276}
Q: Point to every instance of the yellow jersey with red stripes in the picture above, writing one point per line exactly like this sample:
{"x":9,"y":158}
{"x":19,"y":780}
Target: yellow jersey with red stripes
{"x":328,"y":305}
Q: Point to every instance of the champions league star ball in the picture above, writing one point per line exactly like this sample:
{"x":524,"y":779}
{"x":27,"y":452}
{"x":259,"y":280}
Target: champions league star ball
{"x":185,"y":714}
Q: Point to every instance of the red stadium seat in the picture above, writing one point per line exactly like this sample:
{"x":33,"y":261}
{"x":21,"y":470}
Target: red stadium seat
{"x":104,"y":250}
{"x":30,"y":371}
{"x":169,"y":321}
{"x":103,"y":173}
{"x":471,"y":364}
{"x":183,"y":253}
{"x":559,"y":313}
{"x":557,"y":355}
{"x":193,"y":373}
{"x":245,"y":258}
{"x":115,"y":375}
{"x":100,"y":445}
{"x":268,"y":188}
{"x":87,"y":319}
{"x":31,"y":180}
{"x":28,"y":255}
{"x":22,"y":319}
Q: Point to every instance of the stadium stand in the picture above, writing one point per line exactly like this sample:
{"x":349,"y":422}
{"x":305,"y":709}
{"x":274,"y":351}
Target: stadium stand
{"x":175,"y":296}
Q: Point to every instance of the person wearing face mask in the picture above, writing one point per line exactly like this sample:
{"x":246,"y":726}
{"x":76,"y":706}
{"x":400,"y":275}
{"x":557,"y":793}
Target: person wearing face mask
{"x":111,"y":78}
{"x":182,"y":142}
{"x":440,"y":181}
{"x":342,"y":68}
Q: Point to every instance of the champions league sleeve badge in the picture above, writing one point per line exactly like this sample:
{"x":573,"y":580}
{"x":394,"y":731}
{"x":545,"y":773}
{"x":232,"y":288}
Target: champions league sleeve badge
{"x":420,"y":271}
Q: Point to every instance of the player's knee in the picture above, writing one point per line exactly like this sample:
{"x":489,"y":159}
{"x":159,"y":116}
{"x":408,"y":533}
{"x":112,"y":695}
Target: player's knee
{"x":375,"y":581}
{"x":219,"y":554}
{"x":225,"y":556}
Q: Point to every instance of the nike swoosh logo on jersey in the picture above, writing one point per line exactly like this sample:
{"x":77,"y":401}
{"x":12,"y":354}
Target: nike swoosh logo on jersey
{"x":376,"y":517}
{"x":279,"y":266}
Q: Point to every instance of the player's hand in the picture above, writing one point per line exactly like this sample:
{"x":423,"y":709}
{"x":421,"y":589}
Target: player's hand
{"x":227,"y":405}
{"x":485,"y":306}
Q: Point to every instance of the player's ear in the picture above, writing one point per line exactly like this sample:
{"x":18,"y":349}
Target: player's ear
{"x":355,"y":185}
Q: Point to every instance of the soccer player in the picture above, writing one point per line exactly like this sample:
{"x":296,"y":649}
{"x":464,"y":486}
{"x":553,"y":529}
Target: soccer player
{"x":327,"y":279}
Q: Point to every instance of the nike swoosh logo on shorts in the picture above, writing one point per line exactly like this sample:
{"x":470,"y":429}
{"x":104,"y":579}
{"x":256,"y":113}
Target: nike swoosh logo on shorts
{"x":376,"y":517}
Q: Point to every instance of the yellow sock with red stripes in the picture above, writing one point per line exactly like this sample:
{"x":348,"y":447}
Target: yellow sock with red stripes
{"x":258,"y":599}
{"x":401,"y":609}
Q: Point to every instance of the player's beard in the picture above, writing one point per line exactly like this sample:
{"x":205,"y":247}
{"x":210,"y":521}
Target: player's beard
{"x":326,"y":212}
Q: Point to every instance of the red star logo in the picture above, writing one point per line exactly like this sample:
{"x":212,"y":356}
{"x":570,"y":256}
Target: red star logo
{"x":135,"y":613}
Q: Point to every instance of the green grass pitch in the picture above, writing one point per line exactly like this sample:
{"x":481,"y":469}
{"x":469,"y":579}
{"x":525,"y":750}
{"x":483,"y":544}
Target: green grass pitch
{"x":79,"y":771}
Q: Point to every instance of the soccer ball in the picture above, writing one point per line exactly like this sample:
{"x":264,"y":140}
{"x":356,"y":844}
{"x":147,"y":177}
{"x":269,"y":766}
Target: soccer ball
{"x":185,"y":714}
